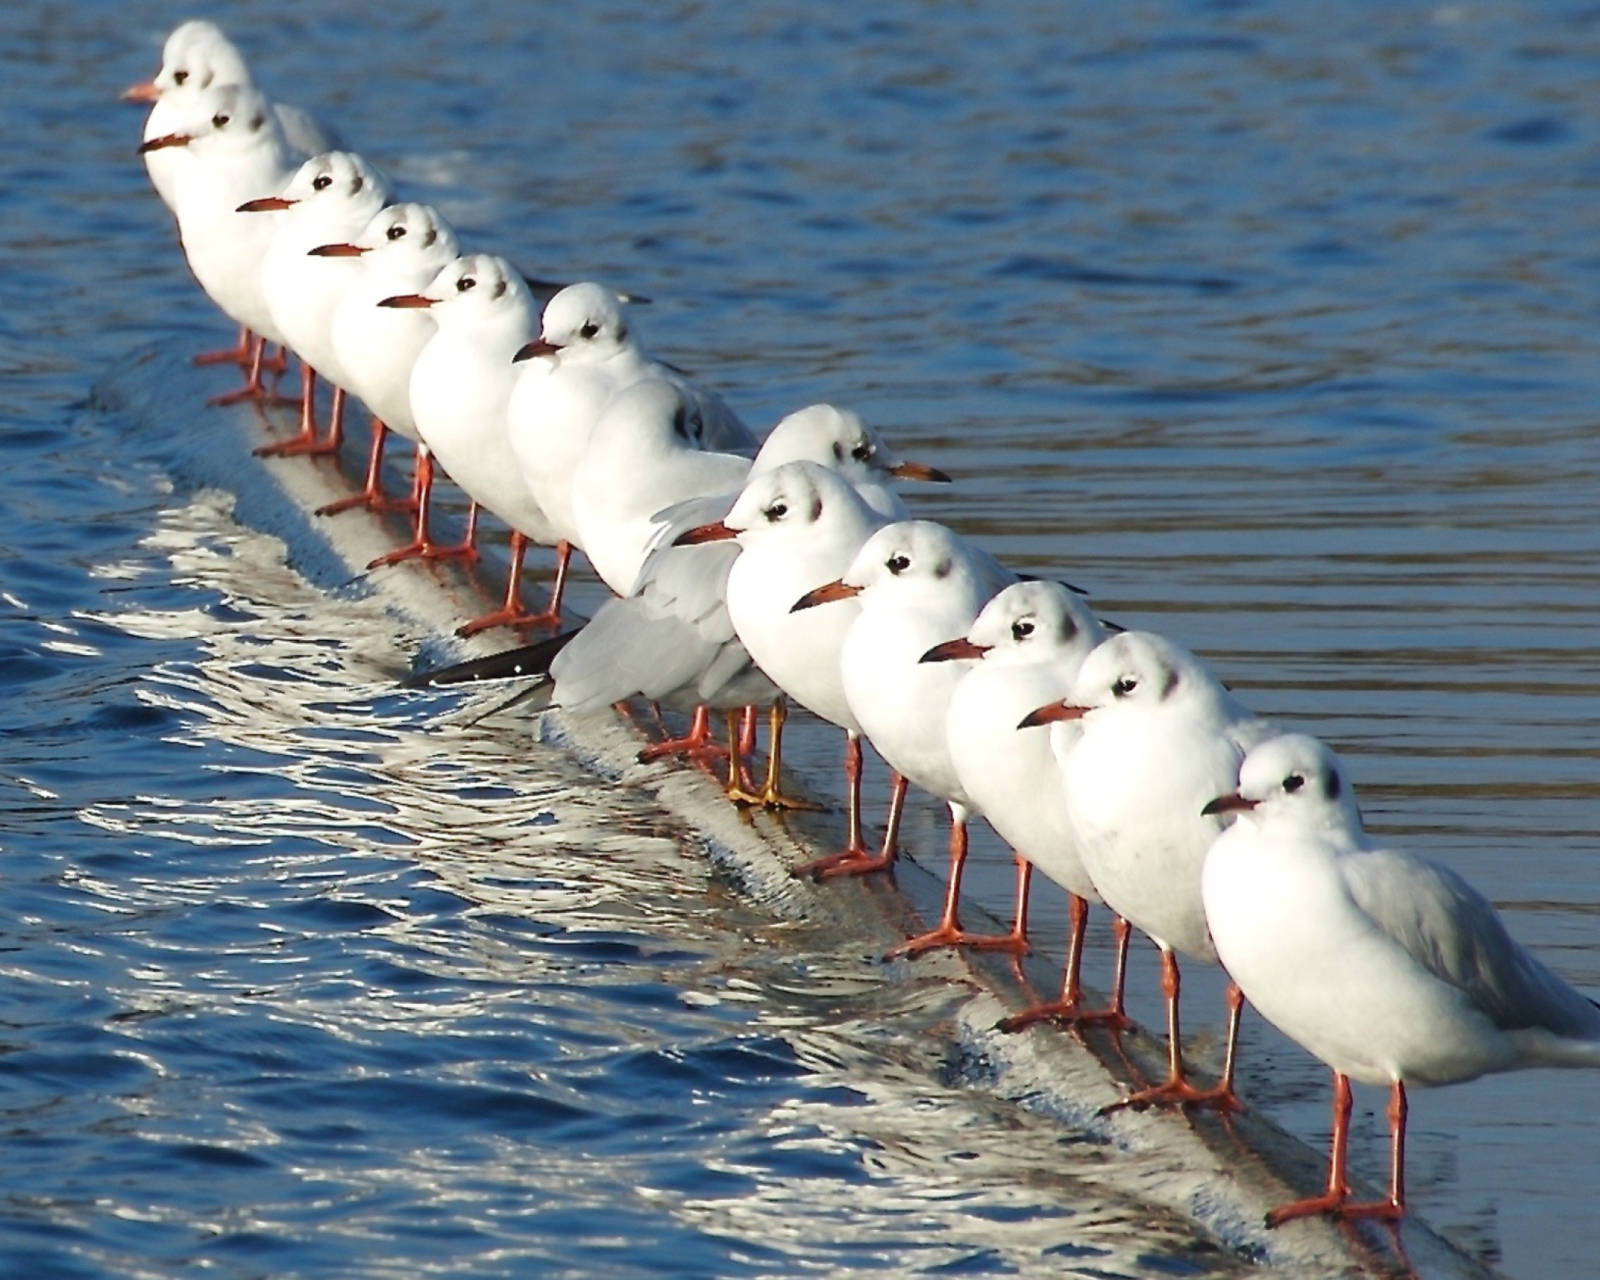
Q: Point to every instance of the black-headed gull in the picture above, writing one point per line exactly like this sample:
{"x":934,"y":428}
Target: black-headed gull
{"x":331,"y":197}
{"x":1390,"y":968}
{"x":400,"y":250}
{"x":197,"y":56}
{"x":460,"y":386}
{"x":1028,"y":645}
{"x":586,"y":353}
{"x":237,"y":153}
{"x":799,"y":527}
{"x":1160,"y":737}
{"x":919,"y":584}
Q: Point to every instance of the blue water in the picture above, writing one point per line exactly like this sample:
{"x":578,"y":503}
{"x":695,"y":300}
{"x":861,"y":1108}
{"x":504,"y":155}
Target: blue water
{"x":1272,"y":325}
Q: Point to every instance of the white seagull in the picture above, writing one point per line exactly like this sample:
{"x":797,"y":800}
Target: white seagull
{"x":919,"y":584}
{"x":586,"y":353}
{"x":237,"y":152}
{"x":1161,"y":737}
{"x":400,"y":250}
{"x":460,"y":386}
{"x":1027,"y":645}
{"x":196,"y":57}
{"x":1390,"y":968}
{"x":330,"y":198}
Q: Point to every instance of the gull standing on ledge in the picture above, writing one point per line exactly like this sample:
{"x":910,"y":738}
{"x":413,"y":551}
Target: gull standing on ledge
{"x":1027,"y":647}
{"x":1161,"y":737}
{"x":1390,"y":968}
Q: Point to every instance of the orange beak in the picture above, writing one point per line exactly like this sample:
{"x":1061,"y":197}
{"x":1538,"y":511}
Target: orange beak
{"x":1050,"y":714}
{"x":1230,"y":804}
{"x":917,"y":471}
{"x":336,"y":251}
{"x":717,"y":532}
{"x":407,"y":300}
{"x":144,"y":91}
{"x":267,"y":204}
{"x":538,"y":347}
{"x":164,"y":141}
{"x":951,"y":650}
{"x":824,"y":595}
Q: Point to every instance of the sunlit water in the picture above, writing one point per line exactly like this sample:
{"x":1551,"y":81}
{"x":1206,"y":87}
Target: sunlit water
{"x":1271,"y":327}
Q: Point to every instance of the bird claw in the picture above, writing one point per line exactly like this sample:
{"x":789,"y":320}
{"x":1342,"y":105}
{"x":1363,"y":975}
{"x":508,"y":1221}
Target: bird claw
{"x":1069,"y":1012}
{"x":1336,"y":1204}
{"x":955,"y":936}
{"x":1179,"y":1093}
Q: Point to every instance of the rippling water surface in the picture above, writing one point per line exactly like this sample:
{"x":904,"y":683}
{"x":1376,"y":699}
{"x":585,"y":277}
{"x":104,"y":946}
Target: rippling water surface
{"x":1273,"y":325}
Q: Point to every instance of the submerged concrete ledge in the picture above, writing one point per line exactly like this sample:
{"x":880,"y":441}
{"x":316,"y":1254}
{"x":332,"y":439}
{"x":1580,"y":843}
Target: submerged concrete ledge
{"x":1218,"y":1176}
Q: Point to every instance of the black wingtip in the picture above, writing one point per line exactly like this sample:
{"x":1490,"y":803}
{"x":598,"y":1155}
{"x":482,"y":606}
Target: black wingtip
{"x":519,"y":663}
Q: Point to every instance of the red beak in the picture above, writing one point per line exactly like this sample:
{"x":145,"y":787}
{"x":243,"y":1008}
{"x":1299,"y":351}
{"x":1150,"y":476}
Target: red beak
{"x":144,"y":91}
{"x":917,"y":471}
{"x":950,"y":650}
{"x":1230,"y":804}
{"x":407,"y":300}
{"x":267,"y":204}
{"x":336,"y":251}
{"x":717,"y":532}
{"x":824,"y":595}
{"x":538,"y":347}
{"x":1051,"y":713}
{"x":164,"y":141}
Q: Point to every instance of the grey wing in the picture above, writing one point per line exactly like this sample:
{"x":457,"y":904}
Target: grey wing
{"x":1453,"y":931}
{"x":724,"y":430}
{"x":690,"y":584}
{"x":305,"y":133}
{"x":690,"y":514}
{"x":670,"y":641}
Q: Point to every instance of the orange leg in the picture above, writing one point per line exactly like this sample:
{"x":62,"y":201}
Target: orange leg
{"x":510,"y":613}
{"x":695,"y":744}
{"x":858,"y":860}
{"x":1069,"y":1007}
{"x":948,"y":932}
{"x":372,"y":496}
{"x":253,"y":389}
{"x":422,"y":546}
{"x":241,"y":353}
{"x":1175,"y":1090}
{"x":1336,"y":1199}
{"x":306,"y":441}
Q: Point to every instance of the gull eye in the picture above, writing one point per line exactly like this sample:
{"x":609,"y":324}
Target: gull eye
{"x":1293,"y":782}
{"x":322,"y":182}
{"x":898,"y":564}
{"x":396,"y":233}
{"x":862,"y":452}
{"x":466,"y":283}
{"x":1022,"y":629}
{"x":1123,"y":687}
{"x":220,"y":120}
{"x":589,"y":330}
{"x":777,"y":511}
{"x":178,"y":77}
